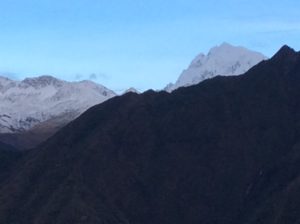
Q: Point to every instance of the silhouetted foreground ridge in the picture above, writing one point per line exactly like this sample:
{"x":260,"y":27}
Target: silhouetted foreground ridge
{"x":226,"y":151}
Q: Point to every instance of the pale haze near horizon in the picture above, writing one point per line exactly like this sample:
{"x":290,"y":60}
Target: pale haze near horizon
{"x":140,"y":44}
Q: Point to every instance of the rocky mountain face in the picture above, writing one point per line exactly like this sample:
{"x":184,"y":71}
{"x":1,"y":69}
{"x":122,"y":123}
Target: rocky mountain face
{"x":223,"y":60}
{"x":225,"y":151}
{"x":28,"y":104}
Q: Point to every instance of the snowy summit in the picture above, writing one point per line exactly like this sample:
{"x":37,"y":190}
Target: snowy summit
{"x":223,"y":60}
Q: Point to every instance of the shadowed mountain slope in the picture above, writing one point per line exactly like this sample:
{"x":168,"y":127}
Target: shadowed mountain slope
{"x":33,"y":137}
{"x":6,"y":147}
{"x":226,"y":151}
{"x":8,"y":158}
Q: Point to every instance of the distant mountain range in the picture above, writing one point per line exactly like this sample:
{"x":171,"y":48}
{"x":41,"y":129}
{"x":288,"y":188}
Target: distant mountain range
{"x":27,"y":103}
{"x":225,"y":151}
{"x":223,"y":60}
{"x":44,"y":104}
{"x":35,"y":108}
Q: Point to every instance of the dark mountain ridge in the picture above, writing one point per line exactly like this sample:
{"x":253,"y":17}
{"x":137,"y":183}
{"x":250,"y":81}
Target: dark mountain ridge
{"x":226,"y":151}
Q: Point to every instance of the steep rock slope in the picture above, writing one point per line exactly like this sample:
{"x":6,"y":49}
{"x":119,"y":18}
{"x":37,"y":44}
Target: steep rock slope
{"x":225,"y":151}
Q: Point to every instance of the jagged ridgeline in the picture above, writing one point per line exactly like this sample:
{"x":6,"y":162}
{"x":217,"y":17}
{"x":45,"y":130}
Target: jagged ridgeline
{"x":225,"y":151}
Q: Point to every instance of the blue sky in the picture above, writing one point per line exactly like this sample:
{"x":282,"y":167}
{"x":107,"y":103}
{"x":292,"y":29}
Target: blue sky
{"x":144,"y":44}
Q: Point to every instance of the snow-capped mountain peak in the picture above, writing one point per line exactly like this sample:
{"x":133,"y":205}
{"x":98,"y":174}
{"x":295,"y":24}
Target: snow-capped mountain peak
{"x":224,"y":59}
{"x":32,"y":101}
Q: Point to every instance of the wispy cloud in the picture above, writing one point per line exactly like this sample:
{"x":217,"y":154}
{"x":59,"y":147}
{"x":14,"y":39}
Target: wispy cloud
{"x":93,"y":76}
{"x":98,"y":76}
{"x":78,"y":77}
